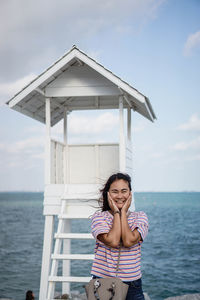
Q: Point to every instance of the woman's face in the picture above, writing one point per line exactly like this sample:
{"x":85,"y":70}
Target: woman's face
{"x":119,"y":192}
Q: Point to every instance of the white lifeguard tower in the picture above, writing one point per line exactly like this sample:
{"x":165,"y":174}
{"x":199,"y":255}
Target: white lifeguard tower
{"x":73,"y":173}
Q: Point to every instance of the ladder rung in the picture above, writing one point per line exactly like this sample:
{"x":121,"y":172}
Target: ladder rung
{"x":69,"y":279}
{"x":73,"y":236}
{"x":68,"y":216}
{"x":73,"y":256}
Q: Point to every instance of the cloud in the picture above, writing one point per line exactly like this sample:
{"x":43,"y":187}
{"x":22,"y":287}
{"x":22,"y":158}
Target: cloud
{"x":140,"y":126}
{"x":90,"y":127}
{"x":192,"y":124}
{"x":193,"y":158}
{"x":28,"y":146}
{"x":24,"y":154}
{"x":11,"y":88}
{"x":192,"y":43}
{"x":182,"y":146}
{"x":105,"y":122}
{"x":33,"y":33}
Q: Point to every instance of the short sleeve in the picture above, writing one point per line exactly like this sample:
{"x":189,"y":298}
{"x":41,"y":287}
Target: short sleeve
{"x":99,"y":224}
{"x":142,"y":224}
{"x":139,"y":220}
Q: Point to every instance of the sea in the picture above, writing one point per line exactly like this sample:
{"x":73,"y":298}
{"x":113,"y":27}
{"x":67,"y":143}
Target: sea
{"x":170,"y":252}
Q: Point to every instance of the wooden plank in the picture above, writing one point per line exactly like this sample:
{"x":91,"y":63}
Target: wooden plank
{"x":82,"y":91}
{"x":48,"y":142}
{"x":129,"y":124}
{"x":73,"y":256}
{"x":69,"y":279}
{"x":122,"y":164}
{"x":46,"y":256}
{"x":69,"y":216}
{"x":74,"y":236}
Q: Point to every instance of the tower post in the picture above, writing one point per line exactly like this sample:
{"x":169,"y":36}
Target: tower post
{"x":122,"y":161}
{"x":49,"y":219}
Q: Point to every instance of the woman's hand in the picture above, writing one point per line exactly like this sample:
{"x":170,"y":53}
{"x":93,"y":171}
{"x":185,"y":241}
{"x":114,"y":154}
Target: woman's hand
{"x":112,"y":204}
{"x":127,"y":203}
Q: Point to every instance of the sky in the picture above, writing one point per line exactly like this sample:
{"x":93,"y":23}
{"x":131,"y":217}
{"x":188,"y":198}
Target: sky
{"x":154,"y":45}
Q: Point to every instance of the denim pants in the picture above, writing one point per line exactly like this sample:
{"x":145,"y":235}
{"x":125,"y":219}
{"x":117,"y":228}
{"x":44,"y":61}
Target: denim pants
{"x":134,"y":291}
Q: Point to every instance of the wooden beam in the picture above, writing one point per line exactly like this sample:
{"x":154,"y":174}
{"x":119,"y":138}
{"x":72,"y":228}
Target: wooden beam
{"x":129,"y":124}
{"x":46,"y":256}
{"x":79,"y":62}
{"x":48,"y":142}
{"x":97,"y":102}
{"x":28,"y":113}
{"x":65,"y":143}
{"x":122,"y":163}
{"x":41,"y":92}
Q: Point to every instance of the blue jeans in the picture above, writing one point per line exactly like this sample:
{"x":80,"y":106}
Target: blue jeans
{"x":134,"y":291}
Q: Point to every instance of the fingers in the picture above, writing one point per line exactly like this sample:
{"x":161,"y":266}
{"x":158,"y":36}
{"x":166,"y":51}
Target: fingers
{"x":111,"y":203}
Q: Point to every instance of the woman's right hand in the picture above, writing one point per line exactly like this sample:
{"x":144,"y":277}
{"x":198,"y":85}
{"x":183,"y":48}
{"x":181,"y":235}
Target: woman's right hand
{"x":112,"y":204}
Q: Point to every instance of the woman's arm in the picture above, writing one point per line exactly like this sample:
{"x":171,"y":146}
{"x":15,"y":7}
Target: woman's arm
{"x":112,"y":238}
{"x":129,"y":237}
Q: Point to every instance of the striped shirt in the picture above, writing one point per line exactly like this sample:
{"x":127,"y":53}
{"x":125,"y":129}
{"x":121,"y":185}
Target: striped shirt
{"x":105,"y":261}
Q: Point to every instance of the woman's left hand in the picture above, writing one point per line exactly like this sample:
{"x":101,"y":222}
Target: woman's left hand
{"x":127,"y":203}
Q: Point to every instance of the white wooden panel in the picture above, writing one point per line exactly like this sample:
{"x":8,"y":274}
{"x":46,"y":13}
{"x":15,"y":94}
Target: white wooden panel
{"x":83,"y":236}
{"x":52,"y":200}
{"x":80,"y":76}
{"x":51,"y":210}
{"x":81,"y":91}
{"x":81,"y":81}
{"x":109,"y":160}
{"x":73,"y":256}
{"x":71,"y":191}
{"x":69,"y":279}
{"x":128,"y":157}
{"x":82,"y":164}
{"x":53,"y":163}
{"x":54,"y":190}
{"x":59,"y":163}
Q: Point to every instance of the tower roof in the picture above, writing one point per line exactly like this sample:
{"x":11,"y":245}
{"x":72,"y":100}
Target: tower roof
{"x":77,"y":82}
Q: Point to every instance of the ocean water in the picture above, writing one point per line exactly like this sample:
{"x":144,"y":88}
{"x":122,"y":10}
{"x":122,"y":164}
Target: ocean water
{"x":170,"y":254}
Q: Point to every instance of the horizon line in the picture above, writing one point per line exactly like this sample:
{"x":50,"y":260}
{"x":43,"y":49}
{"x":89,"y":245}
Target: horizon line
{"x":139,"y":191}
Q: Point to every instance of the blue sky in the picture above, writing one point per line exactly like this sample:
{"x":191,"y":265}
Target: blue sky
{"x":153,"y":45}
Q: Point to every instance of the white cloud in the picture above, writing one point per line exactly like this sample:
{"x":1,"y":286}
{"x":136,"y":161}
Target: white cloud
{"x":157,"y":155}
{"x":140,"y":126}
{"x":28,"y":146}
{"x":192,"y":43}
{"x":193,"y":157}
{"x":22,"y":155}
{"x":90,"y":125}
{"x":182,"y":146}
{"x":37,"y":36}
{"x":105,"y":122}
{"x":9,"y":89}
{"x":192,"y":124}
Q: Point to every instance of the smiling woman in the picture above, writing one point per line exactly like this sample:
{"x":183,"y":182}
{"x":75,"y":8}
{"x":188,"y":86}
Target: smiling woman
{"x":119,"y":233}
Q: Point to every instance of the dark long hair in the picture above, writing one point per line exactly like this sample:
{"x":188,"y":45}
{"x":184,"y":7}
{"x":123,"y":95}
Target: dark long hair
{"x":103,"y":201}
{"x":29,"y":295}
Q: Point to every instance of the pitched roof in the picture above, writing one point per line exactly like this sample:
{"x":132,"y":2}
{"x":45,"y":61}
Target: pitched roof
{"x":77,"y":82}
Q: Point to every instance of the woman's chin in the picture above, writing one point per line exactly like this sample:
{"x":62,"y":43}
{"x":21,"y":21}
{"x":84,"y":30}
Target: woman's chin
{"x":119,"y":206}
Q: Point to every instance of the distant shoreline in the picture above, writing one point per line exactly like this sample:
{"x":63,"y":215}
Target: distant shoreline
{"x":39,"y":192}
